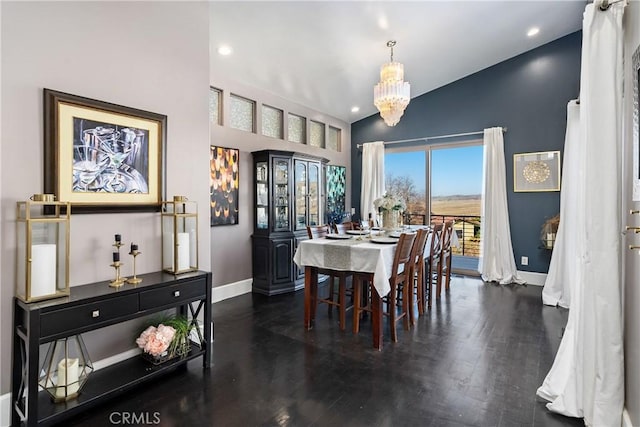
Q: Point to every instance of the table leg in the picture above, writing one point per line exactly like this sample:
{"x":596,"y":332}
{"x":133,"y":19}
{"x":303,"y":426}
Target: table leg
{"x":310,"y":294}
{"x":376,"y":317}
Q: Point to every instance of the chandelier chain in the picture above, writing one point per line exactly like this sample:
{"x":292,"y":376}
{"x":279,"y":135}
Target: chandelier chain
{"x":390,"y":45}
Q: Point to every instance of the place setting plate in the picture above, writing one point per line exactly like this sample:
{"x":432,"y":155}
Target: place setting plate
{"x":384,"y":240}
{"x":397,"y":234}
{"x":357,"y":232}
{"x":337,"y":236}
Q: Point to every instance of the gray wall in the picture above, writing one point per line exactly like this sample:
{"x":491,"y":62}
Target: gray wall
{"x":632,"y":291}
{"x":527,"y":94}
{"x":231,"y":263}
{"x":149,"y":55}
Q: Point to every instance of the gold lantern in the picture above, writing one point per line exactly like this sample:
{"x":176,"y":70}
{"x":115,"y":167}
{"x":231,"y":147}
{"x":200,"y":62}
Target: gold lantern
{"x":179,"y":235}
{"x":65,"y":368}
{"x":43,"y":248}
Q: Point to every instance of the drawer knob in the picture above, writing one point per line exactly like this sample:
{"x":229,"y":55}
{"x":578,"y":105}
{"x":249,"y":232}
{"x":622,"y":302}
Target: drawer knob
{"x":96,"y":313}
{"x":176,"y":294}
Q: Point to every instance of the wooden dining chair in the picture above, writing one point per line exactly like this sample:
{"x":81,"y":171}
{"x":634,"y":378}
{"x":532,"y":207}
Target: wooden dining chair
{"x":399,"y":281}
{"x":432,"y":262}
{"x":417,"y":274}
{"x":317,"y":232}
{"x":445,"y":254}
{"x":342,"y":227}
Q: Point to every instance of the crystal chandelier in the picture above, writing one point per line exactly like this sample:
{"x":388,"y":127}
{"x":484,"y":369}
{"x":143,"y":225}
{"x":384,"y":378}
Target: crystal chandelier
{"x":391,"y":95}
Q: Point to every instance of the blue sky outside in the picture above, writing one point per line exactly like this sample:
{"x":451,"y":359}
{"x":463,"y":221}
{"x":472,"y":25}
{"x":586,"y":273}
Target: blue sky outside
{"x":455,"y":171}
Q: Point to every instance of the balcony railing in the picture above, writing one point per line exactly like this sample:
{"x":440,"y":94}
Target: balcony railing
{"x":467,"y":227}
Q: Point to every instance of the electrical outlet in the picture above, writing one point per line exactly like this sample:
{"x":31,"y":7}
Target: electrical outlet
{"x":524,"y":260}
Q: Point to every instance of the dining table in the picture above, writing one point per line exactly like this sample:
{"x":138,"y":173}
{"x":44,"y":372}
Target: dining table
{"x":370,"y":255}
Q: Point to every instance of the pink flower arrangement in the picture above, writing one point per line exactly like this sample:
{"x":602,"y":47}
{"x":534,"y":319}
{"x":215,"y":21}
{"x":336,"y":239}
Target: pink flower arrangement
{"x":156,"y":341}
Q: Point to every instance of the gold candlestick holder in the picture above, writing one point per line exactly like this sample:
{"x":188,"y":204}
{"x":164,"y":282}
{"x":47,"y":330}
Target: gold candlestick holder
{"x":134,"y":280}
{"x":118,"y":281}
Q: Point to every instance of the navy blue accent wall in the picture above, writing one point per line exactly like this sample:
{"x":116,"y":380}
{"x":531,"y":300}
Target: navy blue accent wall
{"x":527,"y":94}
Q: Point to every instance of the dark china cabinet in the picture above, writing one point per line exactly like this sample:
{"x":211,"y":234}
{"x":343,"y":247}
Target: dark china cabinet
{"x":288,"y":196}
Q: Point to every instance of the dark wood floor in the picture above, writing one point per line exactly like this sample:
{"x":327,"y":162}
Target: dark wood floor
{"x":476,"y":359}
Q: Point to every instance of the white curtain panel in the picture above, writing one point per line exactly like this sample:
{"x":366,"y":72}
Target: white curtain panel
{"x":564,"y":259}
{"x":496,"y":262}
{"x":587,"y":376}
{"x":372,"y":185}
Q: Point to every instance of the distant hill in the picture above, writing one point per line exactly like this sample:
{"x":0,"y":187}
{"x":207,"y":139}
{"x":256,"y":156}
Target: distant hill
{"x":458,"y":197}
{"x":456,"y":205}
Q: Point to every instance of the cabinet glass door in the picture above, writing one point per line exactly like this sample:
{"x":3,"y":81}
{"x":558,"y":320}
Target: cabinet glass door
{"x":314,"y":194}
{"x":262,"y":195}
{"x":281,"y":194}
{"x":300,"y":175}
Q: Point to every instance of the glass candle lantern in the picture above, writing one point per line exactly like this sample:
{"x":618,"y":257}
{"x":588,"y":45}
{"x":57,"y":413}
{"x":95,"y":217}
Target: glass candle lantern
{"x":65,"y":368}
{"x":179,"y":235}
{"x":43,"y":248}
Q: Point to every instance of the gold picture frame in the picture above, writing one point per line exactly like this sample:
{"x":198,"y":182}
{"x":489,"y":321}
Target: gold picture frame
{"x":103,"y":157}
{"x":535,"y":172}
{"x":635,"y":77}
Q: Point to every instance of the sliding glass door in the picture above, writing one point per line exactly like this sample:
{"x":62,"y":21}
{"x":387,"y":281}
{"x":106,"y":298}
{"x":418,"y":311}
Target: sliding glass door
{"x":406,"y":177}
{"x":440,"y":182}
{"x":456,"y":193}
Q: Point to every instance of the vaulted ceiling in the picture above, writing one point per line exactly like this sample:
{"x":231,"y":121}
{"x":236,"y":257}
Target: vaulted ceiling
{"x":327,"y":55}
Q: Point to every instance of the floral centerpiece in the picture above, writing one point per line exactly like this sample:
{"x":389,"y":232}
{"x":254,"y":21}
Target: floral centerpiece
{"x":390,"y":206}
{"x":167,"y":340}
{"x":389,"y":203}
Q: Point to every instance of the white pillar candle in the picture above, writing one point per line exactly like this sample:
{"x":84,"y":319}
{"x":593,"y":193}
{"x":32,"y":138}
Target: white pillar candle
{"x":183,"y":251}
{"x":193,"y":241}
{"x":167,"y":252}
{"x":43,"y":270}
{"x":67,"y":378}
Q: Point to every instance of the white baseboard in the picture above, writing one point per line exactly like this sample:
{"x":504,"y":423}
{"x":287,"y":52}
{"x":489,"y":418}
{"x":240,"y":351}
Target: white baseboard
{"x":5,"y":410}
{"x":112,"y":360}
{"x":533,"y":278}
{"x":626,"y":418}
{"x":231,"y":290}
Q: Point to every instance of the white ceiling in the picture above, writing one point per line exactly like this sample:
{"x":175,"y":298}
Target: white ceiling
{"x":327,"y":55}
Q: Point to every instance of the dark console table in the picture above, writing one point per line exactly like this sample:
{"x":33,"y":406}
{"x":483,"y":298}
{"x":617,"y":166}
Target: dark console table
{"x":91,"y":307}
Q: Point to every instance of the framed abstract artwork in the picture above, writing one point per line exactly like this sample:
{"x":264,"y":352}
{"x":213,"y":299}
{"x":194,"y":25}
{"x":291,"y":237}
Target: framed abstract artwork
{"x":336,"y":186}
{"x":536,"y":171}
{"x":223,"y":185}
{"x":103,"y":157}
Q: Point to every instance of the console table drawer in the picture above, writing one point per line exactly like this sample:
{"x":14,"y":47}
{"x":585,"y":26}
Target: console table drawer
{"x":173,"y":294}
{"x":84,"y":315}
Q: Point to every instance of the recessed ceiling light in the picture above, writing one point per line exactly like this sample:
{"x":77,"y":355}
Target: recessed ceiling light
{"x":225,"y":50}
{"x":383,"y":23}
{"x":355,"y":109}
{"x":533,"y":31}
